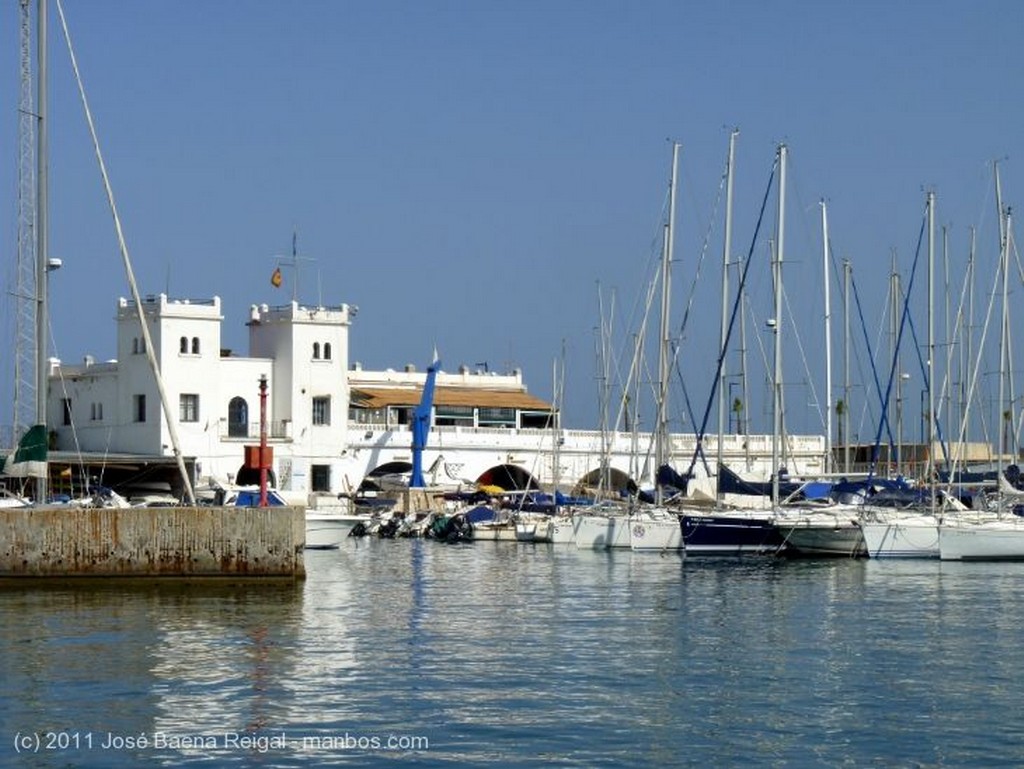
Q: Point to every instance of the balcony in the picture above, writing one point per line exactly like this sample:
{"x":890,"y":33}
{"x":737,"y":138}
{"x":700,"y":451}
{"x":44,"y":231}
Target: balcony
{"x":278,"y":430}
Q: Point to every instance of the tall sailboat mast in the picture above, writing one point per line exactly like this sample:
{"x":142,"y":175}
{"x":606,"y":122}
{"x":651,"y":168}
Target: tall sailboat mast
{"x":777,"y":328}
{"x":1003,"y":416}
{"x":844,"y":417}
{"x":661,"y":435}
{"x":828,"y":340}
{"x":931,"y":342}
{"x":726,"y":258}
{"x":129,"y":272}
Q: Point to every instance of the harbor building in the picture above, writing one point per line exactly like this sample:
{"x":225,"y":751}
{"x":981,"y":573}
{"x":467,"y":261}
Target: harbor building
{"x":333,"y":427}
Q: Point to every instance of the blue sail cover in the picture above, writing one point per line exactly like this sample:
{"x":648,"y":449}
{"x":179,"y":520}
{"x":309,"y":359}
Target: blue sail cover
{"x":480,"y":514}
{"x":672,"y":479}
{"x":730,"y":483}
{"x":251,"y":498}
{"x":421,"y":426}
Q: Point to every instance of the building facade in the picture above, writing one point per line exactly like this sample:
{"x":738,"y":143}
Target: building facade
{"x":335,"y":428}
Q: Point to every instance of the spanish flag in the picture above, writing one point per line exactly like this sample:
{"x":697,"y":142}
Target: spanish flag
{"x":277,"y":278}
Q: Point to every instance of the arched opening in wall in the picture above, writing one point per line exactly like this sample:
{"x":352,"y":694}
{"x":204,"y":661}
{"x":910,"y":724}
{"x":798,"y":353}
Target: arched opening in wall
{"x":390,"y":476}
{"x":509,"y":478}
{"x":183,"y":345}
{"x":195,"y":345}
{"x":238,"y":418}
{"x":250,"y":476}
{"x":617,"y":483}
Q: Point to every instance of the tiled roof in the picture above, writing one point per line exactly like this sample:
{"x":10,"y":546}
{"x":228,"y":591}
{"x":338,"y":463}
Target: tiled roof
{"x":379,"y":397}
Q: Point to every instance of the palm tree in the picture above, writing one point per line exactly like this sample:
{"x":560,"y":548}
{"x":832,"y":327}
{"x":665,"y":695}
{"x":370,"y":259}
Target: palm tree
{"x":840,"y":411}
{"x":737,"y":409}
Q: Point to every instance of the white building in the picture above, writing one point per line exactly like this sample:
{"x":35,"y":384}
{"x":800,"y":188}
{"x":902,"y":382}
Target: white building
{"x":212,"y":394}
{"x":331,"y":426}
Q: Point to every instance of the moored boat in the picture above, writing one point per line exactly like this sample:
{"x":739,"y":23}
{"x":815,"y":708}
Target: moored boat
{"x":899,"y":534}
{"x":963,"y":539}
{"x":734,"y":532}
{"x":822,"y":533}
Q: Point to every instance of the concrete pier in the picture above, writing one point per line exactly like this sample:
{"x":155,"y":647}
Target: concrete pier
{"x":152,"y":542}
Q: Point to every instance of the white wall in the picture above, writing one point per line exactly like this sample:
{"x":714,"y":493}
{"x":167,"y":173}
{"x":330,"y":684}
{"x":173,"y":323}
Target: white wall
{"x":281,"y":348}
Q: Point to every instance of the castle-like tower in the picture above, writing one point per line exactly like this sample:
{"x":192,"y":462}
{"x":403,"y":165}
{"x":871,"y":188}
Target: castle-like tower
{"x":213,"y":394}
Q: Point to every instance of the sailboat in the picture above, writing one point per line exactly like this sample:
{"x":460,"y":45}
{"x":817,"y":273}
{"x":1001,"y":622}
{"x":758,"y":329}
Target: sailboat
{"x":631,"y":525}
{"x":1002,"y":537}
{"x":822,"y":526}
{"x":904,"y":523}
{"x":724,"y":531}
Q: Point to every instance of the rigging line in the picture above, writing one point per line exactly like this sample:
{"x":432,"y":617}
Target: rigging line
{"x":883,"y":419}
{"x":854,"y":349}
{"x":866,"y":411}
{"x":732,"y":318}
{"x":636,"y":361}
{"x":748,"y":310}
{"x":703,"y":252}
{"x":1012,"y":246}
{"x":959,"y":326}
{"x":652,"y":264}
{"x":123,"y":246}
{"x":892,"y":364}
{"x":924,"y":374}
{"x":690,"y":299}
{"x":981,"y":346}
{"x":641,"y":306}
{"x":1020,"y":420}
{"x":803,"y":356}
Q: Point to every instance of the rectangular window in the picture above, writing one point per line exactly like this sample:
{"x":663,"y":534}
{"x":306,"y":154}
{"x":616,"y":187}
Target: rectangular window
{"x":139,"y":407}
{"x":322,"y":410}
{"x":66,"y":402}
{"x":497,"y":417}
{"x":320,"y":477}
{"x":448,"y":416}
{"x":188,"y":407}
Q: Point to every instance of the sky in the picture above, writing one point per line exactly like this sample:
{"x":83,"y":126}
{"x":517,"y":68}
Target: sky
{"x":490,"y":178}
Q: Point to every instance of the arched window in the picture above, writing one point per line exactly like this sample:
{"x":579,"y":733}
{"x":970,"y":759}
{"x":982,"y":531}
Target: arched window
{"x":238,"y":418}
{"x":316,"y":351}
{"x":183,"y":347}
{"x":195,"y":345}
{"x":327,"y":350}
{"x":135,"y":345}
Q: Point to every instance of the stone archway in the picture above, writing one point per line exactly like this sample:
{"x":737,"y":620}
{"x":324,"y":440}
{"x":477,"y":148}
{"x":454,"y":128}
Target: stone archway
{"x":618,"y":482}
{"x":509,"y":478}
{"x":388,"y":476}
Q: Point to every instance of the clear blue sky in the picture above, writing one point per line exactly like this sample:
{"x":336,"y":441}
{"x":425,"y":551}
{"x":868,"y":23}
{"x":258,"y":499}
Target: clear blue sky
{"x":473,"y":175}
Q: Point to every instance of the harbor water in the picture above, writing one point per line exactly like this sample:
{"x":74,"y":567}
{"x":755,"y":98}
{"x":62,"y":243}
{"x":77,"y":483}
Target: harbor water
{"x":416,"y":653}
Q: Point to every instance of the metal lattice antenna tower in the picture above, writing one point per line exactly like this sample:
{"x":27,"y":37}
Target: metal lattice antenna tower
{"x":25,"y":299}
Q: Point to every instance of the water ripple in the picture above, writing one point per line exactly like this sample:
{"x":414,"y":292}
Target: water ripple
{"x":508,"y":655}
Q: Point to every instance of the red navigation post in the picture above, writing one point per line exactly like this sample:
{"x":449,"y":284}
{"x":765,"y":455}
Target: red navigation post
{"x":263,"y":441}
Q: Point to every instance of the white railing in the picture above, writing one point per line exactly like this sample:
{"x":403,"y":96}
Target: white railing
{"x":278,"y":430}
